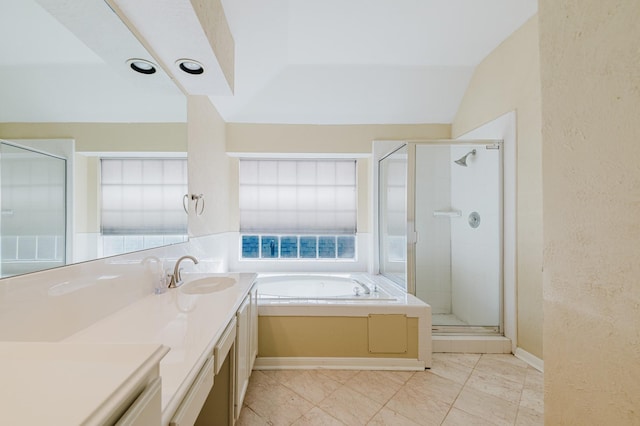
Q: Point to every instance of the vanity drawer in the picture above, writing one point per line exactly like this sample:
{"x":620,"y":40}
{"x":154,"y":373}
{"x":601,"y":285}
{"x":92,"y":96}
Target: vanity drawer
{"x":224,"y":344}
{"x":188,"y":411}
{"x":146,"y":409}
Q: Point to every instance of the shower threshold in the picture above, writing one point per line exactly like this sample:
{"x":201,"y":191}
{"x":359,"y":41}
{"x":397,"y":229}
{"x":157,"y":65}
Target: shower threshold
{"x":451,"y":324}
{"x":465,"y":330}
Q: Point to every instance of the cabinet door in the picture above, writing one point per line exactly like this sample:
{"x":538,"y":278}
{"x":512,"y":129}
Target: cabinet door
{"x":253,"y":351}
{"x":146,"y":410}
{"x":242,"y":352}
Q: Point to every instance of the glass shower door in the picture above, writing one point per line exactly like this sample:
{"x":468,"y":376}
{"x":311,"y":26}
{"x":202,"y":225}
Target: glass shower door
{"x":33,"y":201}
{"x":458,"y":221}
{"x":392,"y":216}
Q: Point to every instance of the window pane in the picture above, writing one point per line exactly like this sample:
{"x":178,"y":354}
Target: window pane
{"x":289,"y":247}
{"x":269,"y":246}
{"x":347,"y":247}
{"x":308,"y":247}
{"x":250,"y":248}
{"x":326,"y":247}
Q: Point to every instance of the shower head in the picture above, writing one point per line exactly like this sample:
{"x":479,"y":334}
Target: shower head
{"x":463,"y":161}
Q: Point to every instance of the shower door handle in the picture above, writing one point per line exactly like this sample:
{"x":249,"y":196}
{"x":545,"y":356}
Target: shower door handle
{"x":447,"y":213}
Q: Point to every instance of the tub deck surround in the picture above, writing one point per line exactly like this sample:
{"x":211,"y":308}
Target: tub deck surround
{"x":352,"y":309}
{"x":69,"y":384}
{"x":189,"y":324}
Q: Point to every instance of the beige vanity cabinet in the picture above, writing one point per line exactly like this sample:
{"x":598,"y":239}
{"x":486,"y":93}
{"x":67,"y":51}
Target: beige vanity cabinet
{"x":254,"y":326}
{"x":234,"y":355}
{"x":243,"y":362}
{"x":218,"y":410}
{"x":246,"y":345}
{"x":194,"y":400}
{"x":146,"y":409}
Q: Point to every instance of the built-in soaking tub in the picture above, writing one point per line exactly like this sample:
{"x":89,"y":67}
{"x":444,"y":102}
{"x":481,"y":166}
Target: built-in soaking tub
{"x":340,"y":321}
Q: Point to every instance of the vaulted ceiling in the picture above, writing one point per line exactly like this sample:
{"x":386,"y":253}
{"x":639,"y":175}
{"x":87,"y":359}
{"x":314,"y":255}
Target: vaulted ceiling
{"x":361,"y":61}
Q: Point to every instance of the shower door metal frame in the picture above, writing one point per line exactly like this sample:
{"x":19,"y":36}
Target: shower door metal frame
{"x":379,"y":222}
{"x":412,"y":237}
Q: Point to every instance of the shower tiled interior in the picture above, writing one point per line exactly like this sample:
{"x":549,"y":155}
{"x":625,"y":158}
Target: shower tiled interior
{"x":459,"y":389}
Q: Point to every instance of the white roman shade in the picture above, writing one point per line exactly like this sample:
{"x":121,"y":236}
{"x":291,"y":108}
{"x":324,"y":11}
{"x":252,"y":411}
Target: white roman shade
{"x":298,"y":196}
{"x":143,"y":196}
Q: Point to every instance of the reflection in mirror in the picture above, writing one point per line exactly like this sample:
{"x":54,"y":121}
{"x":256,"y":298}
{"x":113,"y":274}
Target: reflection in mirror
{"x":65,"y":77}
{"x":392,"y":186}
{"x":33,"y":203}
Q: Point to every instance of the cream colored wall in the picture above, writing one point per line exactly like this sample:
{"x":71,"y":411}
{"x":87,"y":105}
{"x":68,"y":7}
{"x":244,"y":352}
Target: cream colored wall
{"x":209,"y":167}
{"x":506,"y":80}
{"x":590,"y":73}
{"x":308,"y":138}
{"x":324,"y":139}
{"x":86,"y":188}
{"x":99,"y":137}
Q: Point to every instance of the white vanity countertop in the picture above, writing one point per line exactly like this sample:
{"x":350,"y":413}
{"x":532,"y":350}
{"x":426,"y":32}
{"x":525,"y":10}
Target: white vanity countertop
{"x":189,"y":324}
{"x":69,"y":384}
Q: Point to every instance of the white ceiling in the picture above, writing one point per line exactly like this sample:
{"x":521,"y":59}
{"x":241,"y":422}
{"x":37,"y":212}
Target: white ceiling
{"x":297,"y":61}
{"x":360,"y":61}
{"x":65,"y":61}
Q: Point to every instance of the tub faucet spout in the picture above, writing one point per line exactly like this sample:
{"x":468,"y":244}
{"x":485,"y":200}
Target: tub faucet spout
{"x":176,"y":278}
{"x":366,"y":288}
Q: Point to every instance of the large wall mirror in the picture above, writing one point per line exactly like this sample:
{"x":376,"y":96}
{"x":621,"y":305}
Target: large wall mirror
{"x":89,"y":147}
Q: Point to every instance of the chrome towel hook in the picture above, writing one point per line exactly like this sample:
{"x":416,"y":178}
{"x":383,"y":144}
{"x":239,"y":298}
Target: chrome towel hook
{"x":193,"y":197}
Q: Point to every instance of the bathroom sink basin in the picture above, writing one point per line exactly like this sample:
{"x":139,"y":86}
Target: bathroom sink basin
{"x":207,"y":285}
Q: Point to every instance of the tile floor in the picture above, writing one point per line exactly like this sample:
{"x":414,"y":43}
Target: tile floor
{"x":460,"y":389}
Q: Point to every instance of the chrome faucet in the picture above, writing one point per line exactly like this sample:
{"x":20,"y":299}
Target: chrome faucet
{"x":366,"y":288}
{"x":176,"y":278}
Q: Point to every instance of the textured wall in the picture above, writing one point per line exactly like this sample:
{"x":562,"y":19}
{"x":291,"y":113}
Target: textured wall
{"x":507,"y":80}
{"x":208,"y":167}
{"x":590,"y":73}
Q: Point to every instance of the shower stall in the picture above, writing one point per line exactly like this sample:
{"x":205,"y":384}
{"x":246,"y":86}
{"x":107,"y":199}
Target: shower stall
{"x":440,"y":230}
{"x":33,"y":201}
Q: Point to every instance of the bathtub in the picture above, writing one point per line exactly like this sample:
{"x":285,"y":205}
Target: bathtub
{"x":320,"y":287}
{"x":351,"y":321}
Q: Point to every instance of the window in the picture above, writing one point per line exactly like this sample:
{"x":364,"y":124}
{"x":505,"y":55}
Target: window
{"x":298,"y":209}
{"x":142,"y":203}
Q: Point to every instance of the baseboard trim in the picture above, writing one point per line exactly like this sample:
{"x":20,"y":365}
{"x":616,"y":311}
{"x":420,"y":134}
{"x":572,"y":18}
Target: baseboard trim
{"x":530,"y":359}
{"x":292,"y":363}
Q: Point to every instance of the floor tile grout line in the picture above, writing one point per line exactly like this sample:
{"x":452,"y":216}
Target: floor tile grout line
{"x":461,"y":389}
{"x":521,"y":390}
{"x":342,"y":385}
{"x":390,"y":398}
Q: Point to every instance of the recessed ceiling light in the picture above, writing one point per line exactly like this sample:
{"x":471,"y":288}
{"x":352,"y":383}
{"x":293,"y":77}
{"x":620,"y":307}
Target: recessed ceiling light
{"x":190,"y":66}
{"x":142,"y":66}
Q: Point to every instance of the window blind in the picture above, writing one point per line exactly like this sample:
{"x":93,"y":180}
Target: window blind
{"x":298,"y":196}
{"x":143,"y":196}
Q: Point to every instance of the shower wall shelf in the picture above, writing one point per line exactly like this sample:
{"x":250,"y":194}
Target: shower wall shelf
{"x":448,"y":213}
